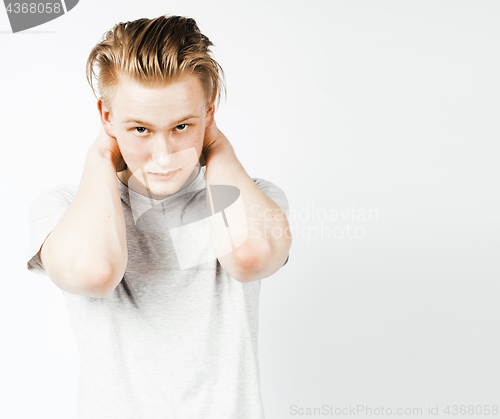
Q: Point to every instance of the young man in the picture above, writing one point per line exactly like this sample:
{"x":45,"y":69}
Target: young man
{"x":160,"y":249}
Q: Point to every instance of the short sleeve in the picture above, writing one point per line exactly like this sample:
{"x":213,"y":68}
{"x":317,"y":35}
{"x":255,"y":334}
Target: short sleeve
{"x":276,"y":194}
{"x":45,"y":212}
{"x":273,"y":192}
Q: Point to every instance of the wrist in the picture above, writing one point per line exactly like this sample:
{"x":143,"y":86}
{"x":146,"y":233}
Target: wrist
{"x":96,"y":152}
{"x":219,"y":146}
{"x":100,"y":156}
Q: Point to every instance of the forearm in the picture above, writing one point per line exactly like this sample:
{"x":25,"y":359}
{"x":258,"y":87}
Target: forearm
{"x":87,"y":248}
{"x":263,"y":251}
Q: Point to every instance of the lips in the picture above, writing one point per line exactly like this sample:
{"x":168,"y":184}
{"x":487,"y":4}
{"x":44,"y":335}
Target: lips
{"x":169,"y":174}
{"x":164,"y":173}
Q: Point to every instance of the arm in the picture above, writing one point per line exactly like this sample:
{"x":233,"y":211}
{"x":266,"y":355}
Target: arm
{"x":264,"y":251}
{"x":86,"y":252}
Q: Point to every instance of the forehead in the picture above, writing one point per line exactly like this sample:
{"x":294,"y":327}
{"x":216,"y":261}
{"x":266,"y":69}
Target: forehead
{"x":133,"y":99}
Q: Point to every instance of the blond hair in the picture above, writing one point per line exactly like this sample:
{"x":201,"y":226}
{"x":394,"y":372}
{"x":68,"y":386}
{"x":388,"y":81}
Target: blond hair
{"x":155,"y":52}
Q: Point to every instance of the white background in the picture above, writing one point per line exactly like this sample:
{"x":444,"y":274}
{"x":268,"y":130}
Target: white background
{"x":348,"y":106}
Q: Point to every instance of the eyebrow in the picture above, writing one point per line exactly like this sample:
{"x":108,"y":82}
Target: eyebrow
{"x":139,"y":122}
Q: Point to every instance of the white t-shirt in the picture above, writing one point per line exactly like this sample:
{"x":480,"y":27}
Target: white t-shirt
{"x":170,"y":341}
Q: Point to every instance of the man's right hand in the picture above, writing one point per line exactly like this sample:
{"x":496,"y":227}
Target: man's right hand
{"x":108,"y":146}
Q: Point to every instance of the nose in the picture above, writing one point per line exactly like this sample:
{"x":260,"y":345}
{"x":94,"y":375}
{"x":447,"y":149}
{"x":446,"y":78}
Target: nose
{"x":164,"y":150}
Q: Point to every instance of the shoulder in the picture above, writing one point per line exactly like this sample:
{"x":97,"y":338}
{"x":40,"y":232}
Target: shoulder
{"x":65,"y":191}
{"x":45,"y":212}
{"x":268,"y":186}
{"x":60,"y":195}
{"x":274,"y":192}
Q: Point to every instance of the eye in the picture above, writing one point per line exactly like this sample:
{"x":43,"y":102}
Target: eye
{"x":184,"y":127}
{"x":140,"y":128}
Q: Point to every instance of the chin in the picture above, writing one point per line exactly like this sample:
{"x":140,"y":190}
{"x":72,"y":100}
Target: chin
{"x":168,"y":187}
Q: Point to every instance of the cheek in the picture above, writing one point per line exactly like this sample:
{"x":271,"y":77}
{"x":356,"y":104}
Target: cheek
{"x":199,"y":138}
{"x":133,"y":152}
{"x":195,"y":141}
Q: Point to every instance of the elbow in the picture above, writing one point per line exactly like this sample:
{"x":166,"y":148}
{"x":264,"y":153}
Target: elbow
{"x":94,"y":283}
{"x":108,"y":279}
{"x":102,"y":279}
{"x":103,"y":282}
{"x":100,"y":282}
{"x":265,"y":260}
{"x":96,"y":279}
{"x":257,"y":263}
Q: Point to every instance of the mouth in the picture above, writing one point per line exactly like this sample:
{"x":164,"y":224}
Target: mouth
{"x":164,"y":175}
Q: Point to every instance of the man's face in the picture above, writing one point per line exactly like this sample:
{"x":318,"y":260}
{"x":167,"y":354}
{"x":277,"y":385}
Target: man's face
{"x":159,"y":130}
